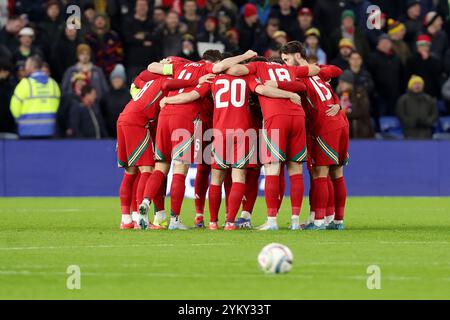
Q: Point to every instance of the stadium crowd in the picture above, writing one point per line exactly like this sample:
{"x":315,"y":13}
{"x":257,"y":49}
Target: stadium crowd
{"x":78,"y":78}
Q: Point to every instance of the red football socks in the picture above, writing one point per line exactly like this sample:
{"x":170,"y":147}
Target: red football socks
{"x":340,"y":196}
{"x":312,"y":206}
{"x":227,"y":186}
{"x":177,"y":190}
{"x":141,"y":186}
{"x":215,"y":198}
{"x":251,"y":190}
{"x":201,"y":187}
{"x":153,"y":184}
{"x":134,"y":203}
{"x":330,"y":205}
{"x":320,"y":197}
{"x":297,"y":190}
{"x":235,"y":200}
{"x":125,"y":192}
{"x":272,"y":195}
{"x":159,"y":198}
{"x":282,"y":186}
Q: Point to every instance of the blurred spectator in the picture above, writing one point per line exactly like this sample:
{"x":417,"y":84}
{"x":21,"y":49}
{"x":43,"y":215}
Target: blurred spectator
{"x":26,"y":49}
{"x":172,"y":33}
{"x":8,"y":35}
{"x":93,"y":73}
{"x":34,"y":9}
{"x":425,"y":65}
{"x":248,"y":27}
{"x":224,"y":22}
{"x":4,"y":12}
{"x":105,"y":43}
{"x":211,"y":33}
{"x":446,"y":94}
{"x":280,"y":38}
{"x":412,"y":22}
{"x":287,"y":16}
{"x":362,"y":77}
{"x":214,"y":7}
{"x":191,"y":18}
{"x":232,"y":37}
{"x":117,"y":98}
{"x":397,"y":31}
{"x":417,"y":111}
{"x":387,"y":72}
{"x":374,"y":33}
{"x":348,"y":30}
{"x":327,"y":13}
{"x":264,"y":41}
{"x":304,"y":22}
{"x":7,"y":123}
{"x":51,"y":25}
{"x":142,"y":44}
{"x":345,"y":49}
{"x":35,"y":102}
{"x":439,"y":41}
{"x":273,"y":52}
{"x":355,"y":103}
{"x":189,"y":48}
{"x":85,"y":118}
{"x":87,"y":18}
{"x":312,"y":45}
{"x":64,"y":52}
{"x":159,"y":16}
{"x":264,"y":9}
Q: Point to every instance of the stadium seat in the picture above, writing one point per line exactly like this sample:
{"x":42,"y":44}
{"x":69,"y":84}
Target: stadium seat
{"x":391,"y":128}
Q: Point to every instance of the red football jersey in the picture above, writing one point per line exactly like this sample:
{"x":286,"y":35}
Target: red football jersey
{"x":231,"y":101}
{"x":277,"y":72}
{"x":318,"y":96}
{"x":188,"y":71}
{"x":145,"y":105}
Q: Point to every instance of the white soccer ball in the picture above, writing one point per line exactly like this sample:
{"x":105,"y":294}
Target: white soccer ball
{"x":275,"y":258}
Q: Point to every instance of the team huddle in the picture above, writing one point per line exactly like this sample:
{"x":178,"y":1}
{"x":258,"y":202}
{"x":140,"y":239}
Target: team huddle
{"x":231,"y":116}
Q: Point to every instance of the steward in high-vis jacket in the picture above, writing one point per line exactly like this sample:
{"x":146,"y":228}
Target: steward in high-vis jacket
{"x":35,"y":102}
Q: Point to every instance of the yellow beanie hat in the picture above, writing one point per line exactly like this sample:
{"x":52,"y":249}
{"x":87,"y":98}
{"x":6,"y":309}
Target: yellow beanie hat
{"x":414,"y":78}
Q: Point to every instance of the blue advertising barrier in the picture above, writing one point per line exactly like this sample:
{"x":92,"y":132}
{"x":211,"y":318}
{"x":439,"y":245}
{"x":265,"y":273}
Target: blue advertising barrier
{"x":88,"y":168}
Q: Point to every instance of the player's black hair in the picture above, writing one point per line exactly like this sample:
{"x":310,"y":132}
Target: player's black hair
{"x":276,"y":60}
{"x":85,"y":90}
{"x":258,"y":58}
{"x":212,"y":55}
{"x":293,"y":47}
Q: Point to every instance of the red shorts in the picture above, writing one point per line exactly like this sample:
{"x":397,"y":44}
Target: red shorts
{"x":331,"y":148}
{"x":134,"y":146}
{"x":284,"y":138}
{"x":175,"y":137}
{"x":234,"y":151}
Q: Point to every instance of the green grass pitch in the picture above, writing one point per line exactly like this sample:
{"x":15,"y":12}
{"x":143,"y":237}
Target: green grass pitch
{"x":408,"y":238}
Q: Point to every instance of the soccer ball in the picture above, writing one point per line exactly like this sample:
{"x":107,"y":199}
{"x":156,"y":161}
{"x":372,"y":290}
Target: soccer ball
{"x":275,"y":258}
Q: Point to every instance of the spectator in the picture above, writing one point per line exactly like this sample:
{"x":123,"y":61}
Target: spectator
{"x":85,"y":118}
{"x":51,"y":25}
{"x":345,"y":49}
{"x":287,"y":16}
{"x":348,"y":30}
{"x":211,"y":34}
{"x":412,"y":22}
{"x":425,"y":65}
{"x":397,"y":31}
{"x":35,"y":102}
{"x":374,"y":33}
{"x":439,"y":41}
{"x":65,"y":51}
{"x":280,"y":38}
{"x":105,"y":44}
{"x":115,"y":101}
{"x":93,"y":73}
{"x":191,"y":18}
{"x":214,"y":7}
{"x":355,"y":103}
{"x":327,"y":13}
{"x":248,"y":27}
{"x":26,"y":49}
{"x":224,"y":22}
{"x":142,"y":44}
{"x":172,"y":33}
{"x":312,"y":45}
{"x":362,"y":77}
{"x":304,"y":22}
{"x":8,"y":35}
{"x":417,"y":111}
{"x":189,"y":48}
{"x":7,"y":123}
{"x":263,"y":42}
{"x":387,"y":74}
{"x":264,"y":10}
{"x":232,"y":37}
{"x":159,"y":17}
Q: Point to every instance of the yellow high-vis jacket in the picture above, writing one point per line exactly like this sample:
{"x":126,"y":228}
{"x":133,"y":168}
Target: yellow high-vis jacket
{"x":34,"y":105}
